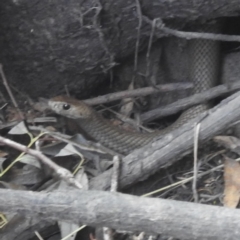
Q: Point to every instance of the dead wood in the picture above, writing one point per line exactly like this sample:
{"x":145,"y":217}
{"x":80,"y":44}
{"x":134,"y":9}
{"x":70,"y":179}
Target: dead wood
{"x":146,"y":161}
{"x":190,"y":101}
{"x":124,"y":212}
{"x":140,"y":92}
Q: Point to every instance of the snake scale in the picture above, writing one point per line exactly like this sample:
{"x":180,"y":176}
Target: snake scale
{"x":204,"y":68}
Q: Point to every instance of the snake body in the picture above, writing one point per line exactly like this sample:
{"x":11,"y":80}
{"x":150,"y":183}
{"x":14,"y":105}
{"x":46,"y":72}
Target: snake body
{"x":204,"y":68}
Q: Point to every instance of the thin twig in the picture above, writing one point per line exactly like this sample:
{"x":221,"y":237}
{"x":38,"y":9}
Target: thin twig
{"x":10,"y":92}
{"x":195,"y":165}
{"x":149,"y":48}
{"x":38,"y":235}
{"x":115,"y":174}
{"x":138,"y":92}
{"x":139,"y":13}
{"x":61,"y":172}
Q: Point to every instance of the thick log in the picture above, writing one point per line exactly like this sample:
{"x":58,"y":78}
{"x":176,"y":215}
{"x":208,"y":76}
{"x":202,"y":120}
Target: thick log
{"x":124,"y":212}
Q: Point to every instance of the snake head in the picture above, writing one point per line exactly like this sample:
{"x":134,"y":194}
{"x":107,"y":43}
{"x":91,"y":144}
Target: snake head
{"x":70,"y":107}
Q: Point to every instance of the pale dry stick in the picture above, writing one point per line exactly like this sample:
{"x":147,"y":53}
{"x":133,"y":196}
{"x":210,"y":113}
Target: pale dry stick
{"x":115,"y":174}
{"x":195,"y":35}
{"x":3,"y":106}
{"x":148,"y":52}
{"x":73,"y":232}
{"x":61,"y":172}
{"x":139,"y":14}
{"x":195,"y":159}
{"x":38,"y":235}
{"x":5,"y":83}
{"x":139,"y":92}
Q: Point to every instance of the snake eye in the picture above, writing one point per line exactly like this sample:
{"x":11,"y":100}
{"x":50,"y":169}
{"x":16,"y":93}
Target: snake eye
{"x":66,"y":106}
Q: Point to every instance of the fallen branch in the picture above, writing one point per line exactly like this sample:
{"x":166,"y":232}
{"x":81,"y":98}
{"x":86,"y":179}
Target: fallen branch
{"x":144,"y":162}
{"x":139,"y":92}
{"x":172,"y":108}
{"x":195,"y":35}
{"x":187,"y":102}
{"x":124,"y":212}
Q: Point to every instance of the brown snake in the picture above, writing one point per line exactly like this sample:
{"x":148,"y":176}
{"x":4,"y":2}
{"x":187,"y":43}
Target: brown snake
{"x":203,"y":71}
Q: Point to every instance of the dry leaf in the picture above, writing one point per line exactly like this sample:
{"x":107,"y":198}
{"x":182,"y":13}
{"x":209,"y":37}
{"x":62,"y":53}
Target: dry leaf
{"x":19,"y":129}
{"x":31,"y":160}
{"x":229,"y":142}
{"x":232,"y":183}
{"x":67,"y":150}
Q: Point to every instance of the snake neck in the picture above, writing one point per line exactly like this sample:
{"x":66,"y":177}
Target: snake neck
{"x":124,"y":142}
{"x":112,"y":136}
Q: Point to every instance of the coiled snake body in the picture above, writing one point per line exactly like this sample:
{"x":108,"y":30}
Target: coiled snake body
{"x":203,"y":71}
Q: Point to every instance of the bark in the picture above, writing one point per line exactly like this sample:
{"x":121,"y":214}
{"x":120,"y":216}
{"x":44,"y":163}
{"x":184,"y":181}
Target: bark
{"x":124,"y":212}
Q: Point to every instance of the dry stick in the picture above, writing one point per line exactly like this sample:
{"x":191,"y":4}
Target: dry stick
{"x":139,"y":14}
{"x":187,"y":102}
{"x":115,"y":175}
{"x":147,"y":74}
{"x":139,"y":92}
{"x":168,"y":149}
{"x":193,"y":35}
{"x":171,"y":108}
{"x":182,"y":220}
{"x":195,"y":165}
{"x":61,"y":172}
{"x":10,"y":92}
{"x":38,"y":235}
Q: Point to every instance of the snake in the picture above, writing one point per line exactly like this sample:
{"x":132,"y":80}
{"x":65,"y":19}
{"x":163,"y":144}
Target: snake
{"x":204,"y":69}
